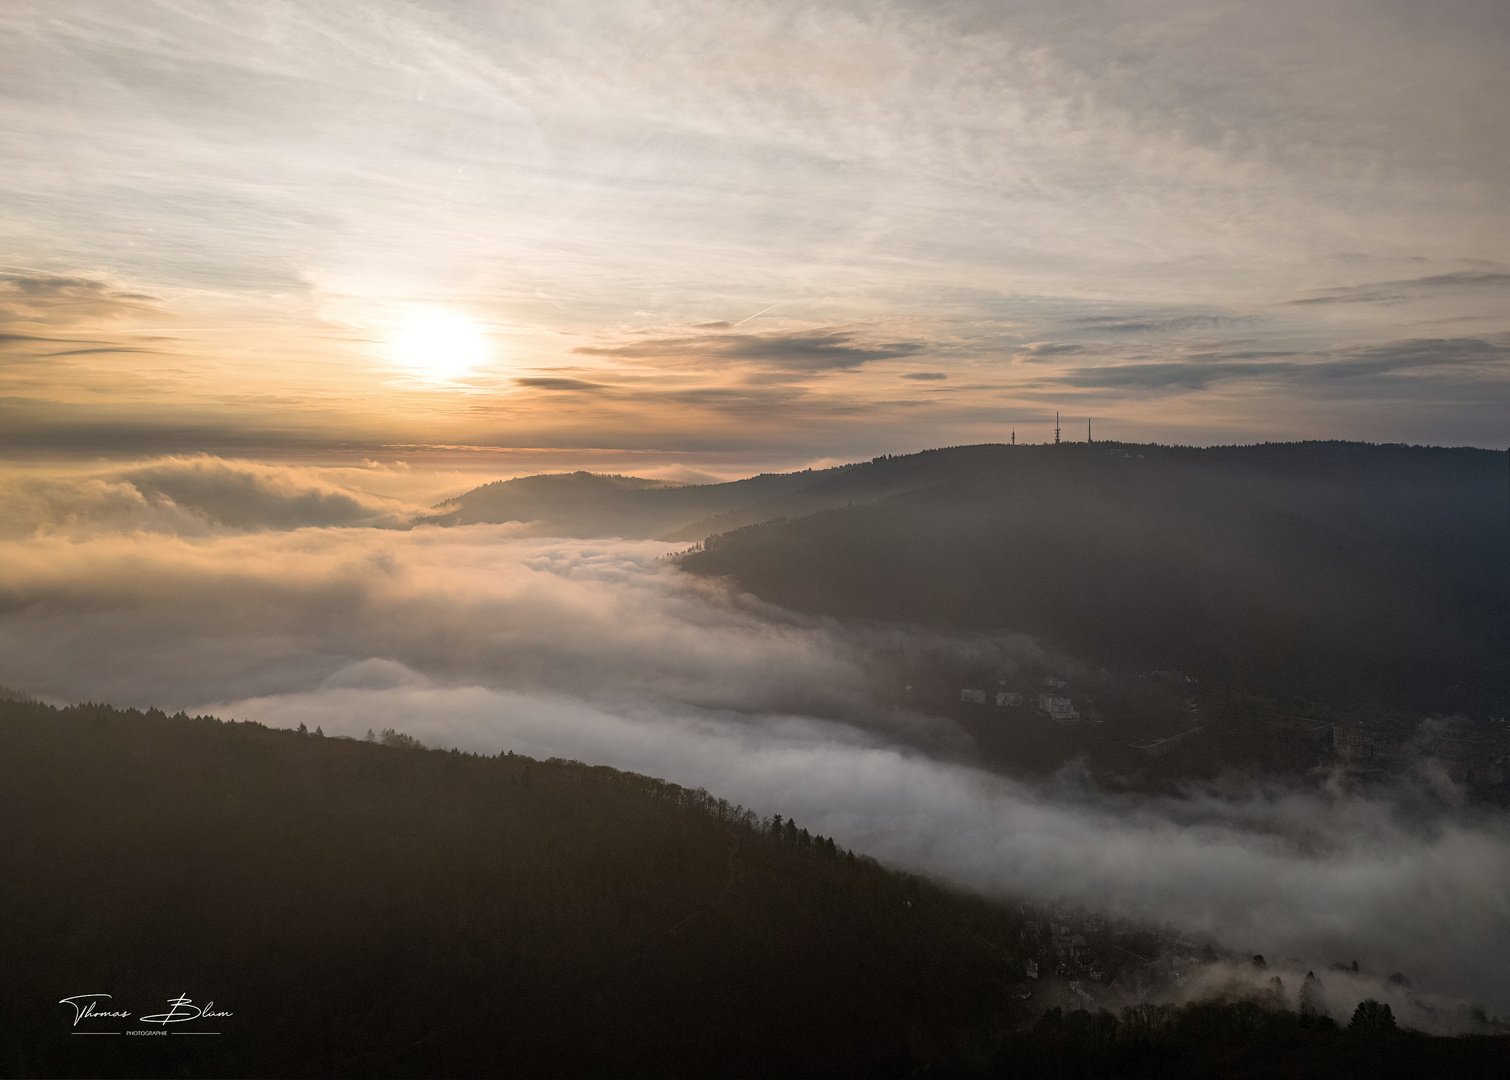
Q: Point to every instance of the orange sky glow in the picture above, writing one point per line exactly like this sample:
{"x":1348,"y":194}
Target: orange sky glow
{"x":666,"y":238}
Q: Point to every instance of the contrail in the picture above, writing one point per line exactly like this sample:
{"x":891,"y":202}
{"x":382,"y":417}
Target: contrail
{"x":758,"y":314}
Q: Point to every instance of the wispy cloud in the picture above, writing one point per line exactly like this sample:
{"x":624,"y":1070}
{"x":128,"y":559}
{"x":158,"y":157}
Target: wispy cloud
{"x":1471,"y":357}
{"x":544,"y":382}
{"x":103,"y":350}
{"x":1043,"y":350}
{"x":1353,"y":296}
{"x":822,"y":350}
{"x":1394,"y":292}
{"x":54,"y":300}
{"x":1118,"y":324}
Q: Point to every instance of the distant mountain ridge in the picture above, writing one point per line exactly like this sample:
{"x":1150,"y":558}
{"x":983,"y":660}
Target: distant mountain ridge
{"x":1328,"y":569}
{"x":1331,"y":571}
{"x":596,"y":504}
{"x":592,"y":505}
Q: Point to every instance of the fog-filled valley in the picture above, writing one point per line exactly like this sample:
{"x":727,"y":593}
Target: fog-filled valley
{"x":832,"y":691}
{"x":936,"y":539}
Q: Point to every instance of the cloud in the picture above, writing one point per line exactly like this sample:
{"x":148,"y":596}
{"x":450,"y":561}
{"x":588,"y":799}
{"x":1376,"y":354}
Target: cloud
{"x":1043,"y":349}
{"x":1411,"y":354}
{"x":102,"y":349}
{"x":89,"y":506}
{"x":481,"y":638}
{"x":1387,"y":292}
{"x":1465,"y":357}
{"x":786,"y":352}
{"x":191,"y":496}
{"x":1361,"y":296}
{"x":538,"y":382}
{"x":1493,"y":278}
{"x":63,"y":301}
{"x":925,"y":376}
{"x":47,"y":319}
{"x":246,"y":495}
{"x":6,"y":338}
{"x":771,"y":398}
{"x":1173,"y":375}
{"x":1116,"y":324}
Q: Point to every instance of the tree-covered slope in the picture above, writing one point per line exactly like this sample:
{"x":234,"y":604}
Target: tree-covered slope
{"x":372,"y":910}
{"x":361,"y":909}
{"x":1322,"y":570}
{"x":593,"y":505}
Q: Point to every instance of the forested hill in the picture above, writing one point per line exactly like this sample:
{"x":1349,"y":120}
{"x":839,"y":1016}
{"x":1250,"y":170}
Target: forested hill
{"x":1314,"y":570}
{"x":372,"y":910}
{"x":592,"y":505}
{"x":345,"y":908}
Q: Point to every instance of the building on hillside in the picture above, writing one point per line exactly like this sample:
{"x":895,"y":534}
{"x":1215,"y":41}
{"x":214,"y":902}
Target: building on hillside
{"x":1366,"y":746}
{"x":1007,"y":697}
{"x":1160,"y":747}
{"x":1060,"y":709}
{"x":1470,"y":753}
{"x":978,"y":697}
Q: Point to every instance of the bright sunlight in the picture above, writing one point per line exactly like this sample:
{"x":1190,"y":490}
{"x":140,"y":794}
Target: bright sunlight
{"x":439,"y":345}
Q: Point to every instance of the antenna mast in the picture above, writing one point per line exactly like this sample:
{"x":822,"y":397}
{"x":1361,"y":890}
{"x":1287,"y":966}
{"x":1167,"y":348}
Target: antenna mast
{"x":1088,"y":430}
{"x":1056,"y":428}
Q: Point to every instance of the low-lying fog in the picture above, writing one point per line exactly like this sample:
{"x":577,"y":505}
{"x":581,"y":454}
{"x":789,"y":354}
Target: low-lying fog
{"x":272,"y":594}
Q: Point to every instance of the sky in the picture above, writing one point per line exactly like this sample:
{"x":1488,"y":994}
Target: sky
{"x":707,"y":239}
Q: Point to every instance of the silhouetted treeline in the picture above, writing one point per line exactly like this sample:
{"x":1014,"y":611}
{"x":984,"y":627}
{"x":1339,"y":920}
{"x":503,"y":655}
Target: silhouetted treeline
{"x":362,"y":909}
{"x":591,"y":504}
{"x":1312,"y":571}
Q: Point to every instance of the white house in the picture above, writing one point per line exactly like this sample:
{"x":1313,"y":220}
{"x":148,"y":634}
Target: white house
{"x":1062,"y":709}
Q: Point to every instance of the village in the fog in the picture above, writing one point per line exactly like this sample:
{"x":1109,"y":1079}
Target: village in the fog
{"x":1165,"y":718}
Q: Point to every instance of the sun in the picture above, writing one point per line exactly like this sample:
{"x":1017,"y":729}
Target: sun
{"x":439,"y":345}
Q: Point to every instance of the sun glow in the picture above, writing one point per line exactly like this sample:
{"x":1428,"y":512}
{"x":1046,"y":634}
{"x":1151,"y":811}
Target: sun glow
{"x":439,"y":345}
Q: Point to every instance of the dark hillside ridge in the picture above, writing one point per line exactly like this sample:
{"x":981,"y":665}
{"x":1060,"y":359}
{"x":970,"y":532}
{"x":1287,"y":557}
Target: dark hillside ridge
{"x":1324,"y":571}
{"x":590,"y":505}
{"x":372,"y":910}
{"x":361,"y":909}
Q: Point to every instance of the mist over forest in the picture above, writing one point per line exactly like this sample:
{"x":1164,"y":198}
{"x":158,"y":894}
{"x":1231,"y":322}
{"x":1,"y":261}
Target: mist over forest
{"x":813,"y":666}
